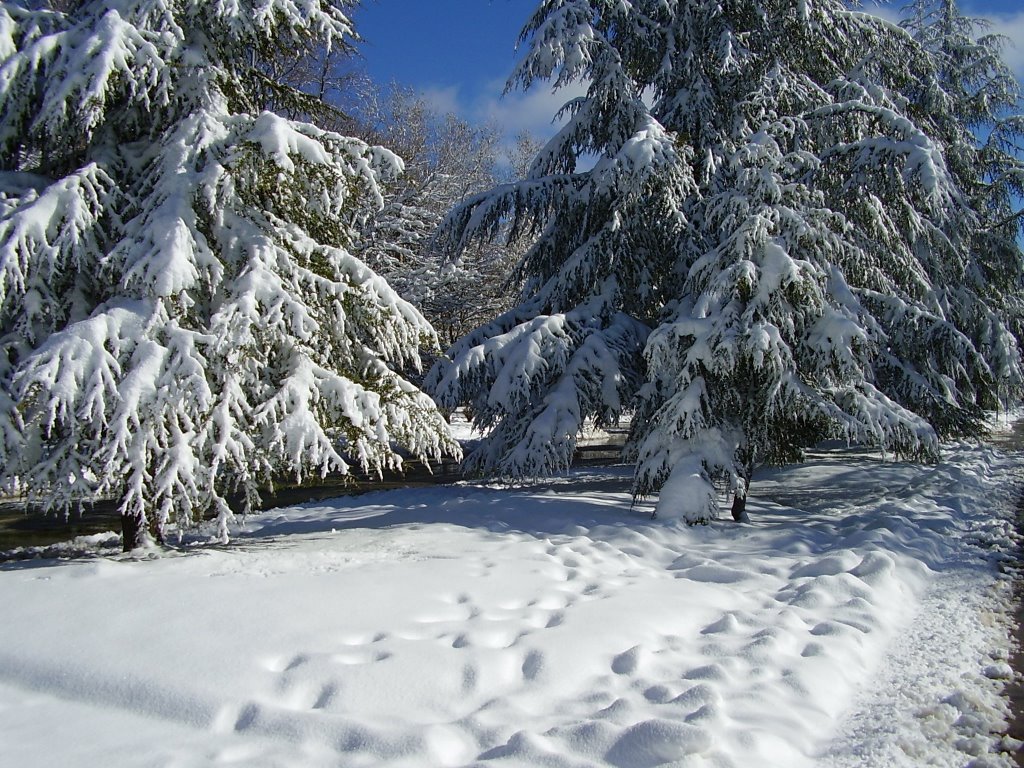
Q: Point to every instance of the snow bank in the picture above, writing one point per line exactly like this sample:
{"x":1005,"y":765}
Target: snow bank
{"x":855,"y":625}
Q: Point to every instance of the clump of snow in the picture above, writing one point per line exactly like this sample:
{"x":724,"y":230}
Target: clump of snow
{"x":687,"y":493}
{"x":858,"y":620}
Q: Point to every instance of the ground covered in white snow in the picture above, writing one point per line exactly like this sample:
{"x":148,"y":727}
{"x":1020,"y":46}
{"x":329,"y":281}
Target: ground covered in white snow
{"x":859,"y":620}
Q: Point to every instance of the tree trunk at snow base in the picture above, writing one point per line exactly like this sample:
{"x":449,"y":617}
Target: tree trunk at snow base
{"x":138,"y":530}
{"x":772,"y":198}
{"x":739,"y":500}
{"x":739,"y":505}
{"x":133,"y":532}
{"x":180,"y":317}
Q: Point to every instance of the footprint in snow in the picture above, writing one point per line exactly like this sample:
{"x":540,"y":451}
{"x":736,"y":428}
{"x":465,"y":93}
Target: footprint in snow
{"x":363,"y":638}
{"x":327,"y":694}
{"x":533,"y":665}
{"x":551,"y":602}
{"x":555,"y":620}
{"x":470,"y":678}
{"x":493,"y":639}
{"x":355,"y":658}
{"x":727,"y":625}
{"x":627,"y":662}
{"x":812,"y":649}
{"x":707,"y":672}
{"x":712,"y":573}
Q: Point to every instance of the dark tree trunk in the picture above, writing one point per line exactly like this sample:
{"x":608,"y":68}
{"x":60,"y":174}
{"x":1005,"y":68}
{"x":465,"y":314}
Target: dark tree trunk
{"x":739,"y":507}
{"x":131,"y":532}
{"x":156,"y":530}
{"x":739,"y":500}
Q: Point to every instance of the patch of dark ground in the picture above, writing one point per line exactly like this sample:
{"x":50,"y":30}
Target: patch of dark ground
{"x":1015,"y":688}
{"x":27,"y":531}
{"x":1012,"y":441}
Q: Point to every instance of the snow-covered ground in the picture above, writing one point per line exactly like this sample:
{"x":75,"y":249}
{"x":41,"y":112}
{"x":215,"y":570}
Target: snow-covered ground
{"x":859,"y":620}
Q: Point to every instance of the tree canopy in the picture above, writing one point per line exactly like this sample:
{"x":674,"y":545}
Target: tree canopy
{"x":772,"y":246}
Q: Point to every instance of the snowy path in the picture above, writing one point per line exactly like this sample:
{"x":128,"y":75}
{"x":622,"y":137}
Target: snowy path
{"x":932,"y":700}
{"x":544,"y":626}
{"x":924,"y":699}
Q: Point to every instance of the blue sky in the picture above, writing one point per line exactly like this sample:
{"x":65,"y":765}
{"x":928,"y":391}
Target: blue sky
{"x":460,"y":53}
{"x":441,"y":43}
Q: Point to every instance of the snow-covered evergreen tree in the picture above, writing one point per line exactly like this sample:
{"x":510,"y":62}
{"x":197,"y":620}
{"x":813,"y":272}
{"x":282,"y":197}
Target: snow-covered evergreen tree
{"x":182,"y":319}
{"x":769,"y":199}
{"x":986,"y":151}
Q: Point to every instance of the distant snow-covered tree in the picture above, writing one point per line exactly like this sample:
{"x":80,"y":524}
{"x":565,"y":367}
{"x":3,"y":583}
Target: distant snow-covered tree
{"x":181,"y":317}
{"x":755,"y":261}
{"x":446,"y":160}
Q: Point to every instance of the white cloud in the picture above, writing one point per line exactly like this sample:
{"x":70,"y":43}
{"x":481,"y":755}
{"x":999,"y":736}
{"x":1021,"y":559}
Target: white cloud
{"x":443,"y":100}
{"x":1011,"y":26}
{"x":513,"y":113}
{"x":532,"y":111}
